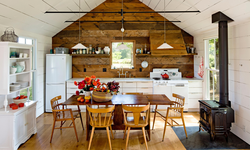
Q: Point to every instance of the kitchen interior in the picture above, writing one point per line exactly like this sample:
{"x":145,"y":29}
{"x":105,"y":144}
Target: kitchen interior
{"x":183,"y":63}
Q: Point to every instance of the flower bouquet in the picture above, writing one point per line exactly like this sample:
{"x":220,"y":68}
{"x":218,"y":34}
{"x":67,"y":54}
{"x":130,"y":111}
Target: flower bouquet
{"x":105,"y":92}
{"x":87,"y":85}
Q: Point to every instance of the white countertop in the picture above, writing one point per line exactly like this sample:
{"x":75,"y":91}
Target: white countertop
{"x":20,"y":109}
{"x":129,"y":79}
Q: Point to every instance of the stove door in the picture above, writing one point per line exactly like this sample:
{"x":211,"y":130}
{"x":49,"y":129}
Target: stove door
{"x":181,"y":89}
{"x":162,"y":88}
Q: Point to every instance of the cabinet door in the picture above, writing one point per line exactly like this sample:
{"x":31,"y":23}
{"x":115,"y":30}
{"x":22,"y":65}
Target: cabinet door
{"x":145,"y":90}
{"x":129,"y":84}
{"x":129,"y":89}
{"x":19,"y":131}
{"x":30,"y":121}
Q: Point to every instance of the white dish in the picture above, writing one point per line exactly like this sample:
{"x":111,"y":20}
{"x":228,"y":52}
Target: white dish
{"x":97,"y":52}
{"x":15,"y":87}
{"x":23,"y":83}
{"x":144,"y":64}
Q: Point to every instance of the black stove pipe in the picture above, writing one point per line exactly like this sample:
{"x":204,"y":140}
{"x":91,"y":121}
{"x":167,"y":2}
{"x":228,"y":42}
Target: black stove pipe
{"x":223,"y":62}
{"x":222,"y":19}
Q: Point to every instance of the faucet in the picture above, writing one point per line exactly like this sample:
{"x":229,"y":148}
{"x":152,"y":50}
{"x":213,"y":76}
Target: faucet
{"x":121,"y":73}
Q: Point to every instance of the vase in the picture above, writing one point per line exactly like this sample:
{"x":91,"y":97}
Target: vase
{"x":106,"y":49}
{"x":87,"y":93}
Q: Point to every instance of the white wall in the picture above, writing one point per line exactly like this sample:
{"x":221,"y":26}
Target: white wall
{"x":239,"y":74}
{"x":44,"y":44}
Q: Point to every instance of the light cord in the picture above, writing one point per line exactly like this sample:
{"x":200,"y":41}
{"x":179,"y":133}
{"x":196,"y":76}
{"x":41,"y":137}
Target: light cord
{"x":164,"y":24}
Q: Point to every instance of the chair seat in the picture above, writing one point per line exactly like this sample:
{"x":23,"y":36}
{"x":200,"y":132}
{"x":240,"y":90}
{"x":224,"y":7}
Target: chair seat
{"x":130,"y":121}
{"x":172,"y":113}
{"x":66,"y":115}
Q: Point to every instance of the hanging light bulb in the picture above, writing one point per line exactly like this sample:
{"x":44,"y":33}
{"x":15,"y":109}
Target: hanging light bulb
{"x":79,"y":45}
{"x":122,"y":46}
{"x":164,"y":45}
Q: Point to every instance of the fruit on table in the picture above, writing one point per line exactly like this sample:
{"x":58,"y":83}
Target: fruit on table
{"x":80,"y":99}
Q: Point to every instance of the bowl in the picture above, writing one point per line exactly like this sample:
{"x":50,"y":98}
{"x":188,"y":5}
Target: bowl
{"x":97,"y":52}
{"x":18,"y":101}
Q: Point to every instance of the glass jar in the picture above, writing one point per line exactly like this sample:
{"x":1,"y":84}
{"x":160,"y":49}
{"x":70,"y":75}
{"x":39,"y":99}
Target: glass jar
{"x":80,"y":51}
{"x":84,"y":51}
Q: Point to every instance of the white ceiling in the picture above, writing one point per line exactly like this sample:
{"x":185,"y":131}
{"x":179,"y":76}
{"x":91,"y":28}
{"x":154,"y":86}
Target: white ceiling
{"x":29,"y":14}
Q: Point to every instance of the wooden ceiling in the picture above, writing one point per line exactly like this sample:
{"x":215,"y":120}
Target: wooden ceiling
{"x":29,"y":14}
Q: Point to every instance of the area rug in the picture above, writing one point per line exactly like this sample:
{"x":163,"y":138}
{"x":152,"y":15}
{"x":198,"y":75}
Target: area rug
{"x":201,"y":140}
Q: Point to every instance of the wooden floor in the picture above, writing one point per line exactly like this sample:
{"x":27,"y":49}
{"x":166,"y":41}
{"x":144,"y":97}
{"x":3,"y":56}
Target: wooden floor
{"x":66,"y":140}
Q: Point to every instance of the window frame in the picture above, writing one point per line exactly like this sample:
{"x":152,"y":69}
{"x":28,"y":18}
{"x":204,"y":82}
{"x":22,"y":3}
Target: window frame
{"x":34,"y":64}
{"x":134,"y":57}
{"x":208,"y":69}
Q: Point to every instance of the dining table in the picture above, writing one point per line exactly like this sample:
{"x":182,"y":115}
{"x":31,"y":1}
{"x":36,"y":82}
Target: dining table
{"x":118,"y":101}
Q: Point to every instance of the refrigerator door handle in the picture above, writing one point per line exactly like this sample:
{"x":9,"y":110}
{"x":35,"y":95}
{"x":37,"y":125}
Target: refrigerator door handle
{"x":55,"y":83}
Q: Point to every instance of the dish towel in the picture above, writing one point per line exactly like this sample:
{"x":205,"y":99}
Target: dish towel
{"x":201,"y":71}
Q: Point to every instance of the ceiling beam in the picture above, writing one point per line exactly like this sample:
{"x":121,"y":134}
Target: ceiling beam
{"x":121,"y":21}
{"x":63,"y":12}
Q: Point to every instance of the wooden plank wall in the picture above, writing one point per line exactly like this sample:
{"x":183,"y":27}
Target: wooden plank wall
{"x":151,"y":34}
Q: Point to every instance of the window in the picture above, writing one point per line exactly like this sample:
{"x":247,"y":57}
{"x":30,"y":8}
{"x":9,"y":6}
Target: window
{"x":212,"y":68}
{"x":29,"y":41}
{"x":122,"y":58}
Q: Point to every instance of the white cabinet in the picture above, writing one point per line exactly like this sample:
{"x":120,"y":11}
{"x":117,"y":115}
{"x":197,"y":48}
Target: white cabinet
{"x":195,"y":94}
{"x":8,"y":58}
{"x":17,"y":126}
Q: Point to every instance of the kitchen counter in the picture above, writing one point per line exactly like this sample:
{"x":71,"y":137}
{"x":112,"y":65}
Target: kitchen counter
{"x":128,"y":79}
{"x":112,"y":79}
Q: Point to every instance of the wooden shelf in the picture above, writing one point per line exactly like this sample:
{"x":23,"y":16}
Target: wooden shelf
{"x":159,"y":55}
{"x":142,"y":55}
{"x":90,"y":55}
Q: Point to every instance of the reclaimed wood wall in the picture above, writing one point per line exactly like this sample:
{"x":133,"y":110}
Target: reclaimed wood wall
{"x":151,"y":34}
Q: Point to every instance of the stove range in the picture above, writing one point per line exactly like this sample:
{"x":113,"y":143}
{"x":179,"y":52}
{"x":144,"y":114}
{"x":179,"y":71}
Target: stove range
{"x":173,"y":73}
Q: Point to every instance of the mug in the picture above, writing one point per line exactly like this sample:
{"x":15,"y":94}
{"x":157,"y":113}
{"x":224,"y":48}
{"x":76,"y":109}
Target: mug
{"x":25,"y":55}
{"x":20,"y":55}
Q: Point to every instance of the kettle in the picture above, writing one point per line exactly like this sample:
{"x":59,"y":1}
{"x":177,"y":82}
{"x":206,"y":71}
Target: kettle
{"x":165,"y":76}
{"x":19,"y":68}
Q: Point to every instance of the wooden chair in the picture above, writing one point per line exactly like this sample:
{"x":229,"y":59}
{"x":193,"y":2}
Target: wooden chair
{"x":61,"y":114}
{"x":136,"y":121}
{"x":136,"y":93}
{"x":175,"y":112}
{"x":101,"y":118}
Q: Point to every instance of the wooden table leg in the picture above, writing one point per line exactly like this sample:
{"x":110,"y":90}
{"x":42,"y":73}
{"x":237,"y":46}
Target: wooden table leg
{"x":87,"y":124}
{"x":80,"y":115}
{"x":148,"y":130}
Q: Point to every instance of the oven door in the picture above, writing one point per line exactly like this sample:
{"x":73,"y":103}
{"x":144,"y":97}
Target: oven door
{"x":181,"y":89}
{"x":162,"y":88}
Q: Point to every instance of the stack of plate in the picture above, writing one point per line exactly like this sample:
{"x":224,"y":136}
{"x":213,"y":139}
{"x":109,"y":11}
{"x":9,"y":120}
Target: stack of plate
{"x":14,"y":87}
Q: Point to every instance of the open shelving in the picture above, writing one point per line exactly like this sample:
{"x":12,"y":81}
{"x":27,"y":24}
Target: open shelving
{"x":5,"y":77}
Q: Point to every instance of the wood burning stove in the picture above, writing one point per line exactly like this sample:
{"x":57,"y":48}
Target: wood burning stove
{"x":216,"y":117}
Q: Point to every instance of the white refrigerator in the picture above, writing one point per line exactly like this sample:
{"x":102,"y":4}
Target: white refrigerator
{"x":58,"y":71}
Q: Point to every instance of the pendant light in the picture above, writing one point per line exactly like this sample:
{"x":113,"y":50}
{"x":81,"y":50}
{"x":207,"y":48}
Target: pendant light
{"x":122,"y":46}
{"x":79,"y":45}
{"x":164,"y":45}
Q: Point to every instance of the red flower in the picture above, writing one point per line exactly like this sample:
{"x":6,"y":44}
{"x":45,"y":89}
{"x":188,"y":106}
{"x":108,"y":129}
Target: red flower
{"x":75,"y":83}
{"x":81,"y":85}
{"x":98,"y":80}
{"x":77,"y":92}
{"x":95,"y":83}
{"x":93,"y":77}
{"x":91,"y":88}
{"x":87,"y":79}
